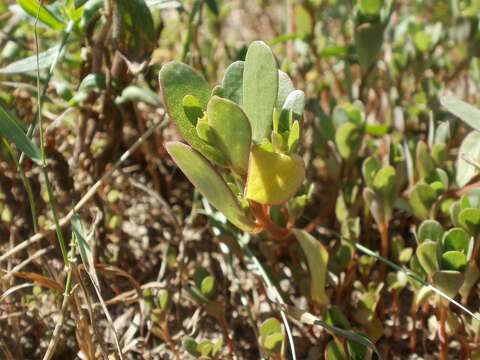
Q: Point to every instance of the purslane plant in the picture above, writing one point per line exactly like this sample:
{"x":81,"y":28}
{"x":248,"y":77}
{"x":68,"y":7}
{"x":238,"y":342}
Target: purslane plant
{"x":242,"y":138}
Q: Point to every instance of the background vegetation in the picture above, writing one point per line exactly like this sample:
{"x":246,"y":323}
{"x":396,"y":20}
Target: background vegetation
{"x":108,"y":251}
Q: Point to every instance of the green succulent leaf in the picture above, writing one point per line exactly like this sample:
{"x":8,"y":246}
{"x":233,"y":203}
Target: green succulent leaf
{"x":208,"y":286}
{"x":136,"y":93}
{"x":472,"y":274}
{"x":205,"y":347}
{"x":374,"y":205}
{"x":176,"y":81}
{"x":370,"y":167}
{"x":469,"y":114}
{"x":424,"y":161}
{"x":470,"y":220}
{"x":191,"y":346}
{"x":430,"y":230}
{"x":334,"y":316}
{"x":454,"y":260}
{"x":449,"y":282}
{"x":384,"y":185}
{"x":317,"y":259}
{"x":273,"y":342}
{"x":270,"y":326}
{"x":134,"y":31}
{"x":260,"y":88}
{"x":427,"y":256}
{"x":192,"y":108}
{"x":335,"y":351}
{"x":209,"y":183}
{"x":370,"y":7}
{"x":456,"y":239}
{"x":348,"y":138}
{"x":421,"y":199}
{"x":285,"y":87}
{"x":470,"y":149}
{"x":232,"y":82}
{"x":368,"y":42}
{"x":273,"y":178}
{"x":295,"y":103}
{"x":232,"y":132}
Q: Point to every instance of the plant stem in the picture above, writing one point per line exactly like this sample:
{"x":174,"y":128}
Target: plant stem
{"x":385,"y":244}
{"x":442,"y":331}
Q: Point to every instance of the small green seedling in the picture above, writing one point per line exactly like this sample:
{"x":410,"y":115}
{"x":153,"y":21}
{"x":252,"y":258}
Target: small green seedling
{"x":272,"y":338}
{"x":242,"y":137}
{"x":204,"y":349}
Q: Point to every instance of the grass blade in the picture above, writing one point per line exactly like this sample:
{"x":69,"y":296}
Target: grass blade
{"x":12,"y":129}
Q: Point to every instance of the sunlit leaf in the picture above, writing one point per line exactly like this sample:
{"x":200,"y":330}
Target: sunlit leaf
{"x":469,"y":114}
{"x":209,"y":183}
{"x":232,"y":132}
{"x":13,"y":131}
{"x":469,"y":148}
{"x":317,"y":258}
{"x":233,"y":82}
{"x":34,"y":7}
{"x":178,"y":80}
{"x":273,"y":178}
{"x":260,"y":87}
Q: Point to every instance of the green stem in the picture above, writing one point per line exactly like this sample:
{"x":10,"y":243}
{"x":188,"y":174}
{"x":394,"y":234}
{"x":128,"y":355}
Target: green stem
{"x":53,"y":207}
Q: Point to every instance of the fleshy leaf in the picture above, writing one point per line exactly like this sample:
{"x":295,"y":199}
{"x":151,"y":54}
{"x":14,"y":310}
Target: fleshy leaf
{"x":429,"y":230}
{"x":454,"y":260}
{"x":209,"y":183}
{"x":424,"y":161}
{"x":374,"y":204}
{"x":233,"y":82}
{"x":370,"y":167}
{"x":348,"y":138}
{"x":427,"y":256}
{"x":232,"y":132}
{"x":335,"y":351}
{"x":456,"y":239}
{"x":192,"y":108}
{"x":421,"y":198}
{"x":470,"y":148}
{"x":368,"y":42}
{"x":384,"y":185}
{"x":285,"y":87}
{"x":176,"y":81}
{"x":273,"y":178}
{"x":317,"y":258}
{"x":469,"y":114}
{"x":470,"y":220}
{"x":472,"y":274}
{"x":449,"y":282}
{"x":134,"y":30}
{"x":260,"y":87}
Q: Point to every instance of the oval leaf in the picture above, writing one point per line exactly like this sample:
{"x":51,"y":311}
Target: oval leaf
{"x":273,"y":178}
{"x":470,"y":148}
{"x":209,"y":183}
{"x":260,"y":87}
{"x":317,"y":258}
{"x":232,"y":82}
{"x":232,"y":132}
{"x":176,"y":81}
{"x":469,"y":114}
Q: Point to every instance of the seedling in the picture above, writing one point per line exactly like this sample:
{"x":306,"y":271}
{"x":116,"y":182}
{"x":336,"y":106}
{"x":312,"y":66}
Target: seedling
{"x":242,"y":139}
